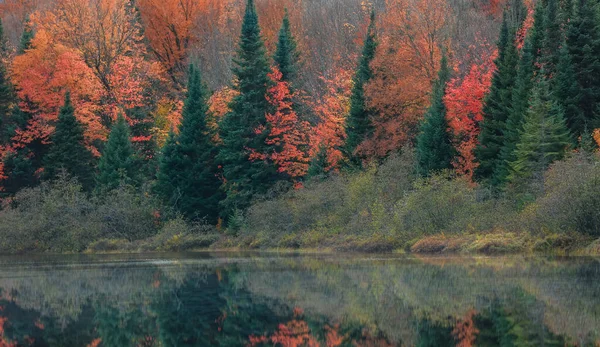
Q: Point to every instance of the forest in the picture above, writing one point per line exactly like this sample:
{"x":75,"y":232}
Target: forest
{"x":373,"y":125}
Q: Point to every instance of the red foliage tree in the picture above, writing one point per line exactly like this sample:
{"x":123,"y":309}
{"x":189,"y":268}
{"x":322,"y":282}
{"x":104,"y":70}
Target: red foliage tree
{"x":464,"y":102}
{"x":288,"y":135}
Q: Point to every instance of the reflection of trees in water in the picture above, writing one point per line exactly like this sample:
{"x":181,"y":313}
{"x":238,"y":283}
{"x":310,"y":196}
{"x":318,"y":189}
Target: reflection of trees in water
{"x":329,"y":301}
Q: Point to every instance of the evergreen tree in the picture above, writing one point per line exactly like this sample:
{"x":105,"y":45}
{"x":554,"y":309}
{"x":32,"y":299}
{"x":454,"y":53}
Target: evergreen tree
{"x":359,"y":123}
{"x":68,"y":151}
{"x":6,"y":91}
{"x":286,"y":55}
{"x":497,"y":106}
{"x":550,"y":54}
{"x":244,"y":128}
{"x":520,"y":105}
{"x":567,"y":92}
{"x":319,"y":164}
{"x":583,"y":43}
{"x":118,"y":163}
{"x":543,"y":139}
{"x":187,"y":176}
{"x":26,"y":37}
{"x":434,"y":146}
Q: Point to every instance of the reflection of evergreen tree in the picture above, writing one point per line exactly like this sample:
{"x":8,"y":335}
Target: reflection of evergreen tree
{"x":431,"y":334}
{"x":122,"y":326}
{"x":188,"y":315}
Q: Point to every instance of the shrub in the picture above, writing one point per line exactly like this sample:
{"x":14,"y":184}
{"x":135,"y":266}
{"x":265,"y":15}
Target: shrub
{"x":570,"y":201}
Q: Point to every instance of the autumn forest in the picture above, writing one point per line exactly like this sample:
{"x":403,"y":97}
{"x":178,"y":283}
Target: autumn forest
{"x":375,"y":125}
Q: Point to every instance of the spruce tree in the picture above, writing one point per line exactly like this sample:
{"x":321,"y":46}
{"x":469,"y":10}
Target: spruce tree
{"x":244,"y":128}
{"x":318,"y":165}
{"x":286,"y":55}
{"x":434,"y":146}
{"x":520,"y":105}
{"x":497,"y":106}
{"x":68,"y":151}
{"x":118,"y":163}
{"x":188,"y":174}
{"x":6,"y":91}
{"x":552,"y":40}
{"x":583,"y":43}
{"x":543,"y":139}
{"x":359,"y":123}
{"x":26,"y":37}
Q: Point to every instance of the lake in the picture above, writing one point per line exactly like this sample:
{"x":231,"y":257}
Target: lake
{"x":252,"y":299}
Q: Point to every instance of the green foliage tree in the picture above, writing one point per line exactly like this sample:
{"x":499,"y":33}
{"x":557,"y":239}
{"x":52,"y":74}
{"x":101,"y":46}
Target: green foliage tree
{"x":6,"y":90}
{"x":497,"y":106}
{"x":583,"y":44}
{"x":359,"y":123}
{"x":244,"y":129}
{"x":434,"y":146}
{"x":188,"y":175}
{"x":118,"y":163}
{"x":26,"y":37}
{"x":543,"y":139}
{"x":287,"y":56}
{"x":520,"y":105}
{"x":68,"y":151}
{"x":319,"y":164}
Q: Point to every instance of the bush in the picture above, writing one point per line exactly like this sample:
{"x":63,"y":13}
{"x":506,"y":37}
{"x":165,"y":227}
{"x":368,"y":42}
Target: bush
{"x":50,"y":217}
{"x":127,"y":214}
{"x":570,"y":201}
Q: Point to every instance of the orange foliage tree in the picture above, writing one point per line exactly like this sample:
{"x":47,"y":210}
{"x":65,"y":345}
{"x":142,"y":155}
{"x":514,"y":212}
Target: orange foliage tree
{"x":288,"y":135}
{"x":331,"y":111}
{"x":42,"y":76}
{"x":464,"y":102}
{"x":465,"y":332}
{"x":404,"y":68}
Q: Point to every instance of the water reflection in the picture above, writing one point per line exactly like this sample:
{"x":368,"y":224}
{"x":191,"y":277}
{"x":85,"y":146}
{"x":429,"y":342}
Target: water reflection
{"x":226,"y":299}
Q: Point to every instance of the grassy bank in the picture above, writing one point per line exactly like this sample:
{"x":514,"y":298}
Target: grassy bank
{"x":384,"y":209}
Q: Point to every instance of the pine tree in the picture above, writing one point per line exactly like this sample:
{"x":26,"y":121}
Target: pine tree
{"x":543,"y":139}
{"x":286,"y":55}
{"x":318,"y":165}
{"x":583,"y":43}
{"x":434,"y":146}
{"x":359,"y":123}
{"x":26,"y":37}
{"x":188,"y":175}
{"x":68,"y":151}
{"x":550,"y":53}
{"x":497,"y":106}
{"x":567,"y":92}
{"x":6,"y":91}
{"x":245,"y":178}
{"x":520,"y":105}
{"x":118,"y":163}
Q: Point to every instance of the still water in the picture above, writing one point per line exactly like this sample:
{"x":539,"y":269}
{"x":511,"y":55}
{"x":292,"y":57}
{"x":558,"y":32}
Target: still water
{"x":231,"y":299}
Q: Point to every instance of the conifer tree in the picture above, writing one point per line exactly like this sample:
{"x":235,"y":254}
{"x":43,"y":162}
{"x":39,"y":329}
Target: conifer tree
{"x":434,"y":146}
{"x":6,"y":91}
{"x":319,"y":164}
{"x":26,"y":37}
{"x":286,"y":55}
{"x":245,"y":178}
{"x":520,"y":105}
{"x":552,"y":38}
{"x":188,"y":174}
{"x":68,"y":151}
{"x":359,"y":123}
{"x":583,"y":43}
{"x":497,"y":106}
{"x":544,"y":137}
{"x":118,"y":163}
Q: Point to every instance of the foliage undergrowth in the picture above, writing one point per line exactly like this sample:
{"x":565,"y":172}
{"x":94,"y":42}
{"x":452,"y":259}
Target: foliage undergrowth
{"x":389,"y":207}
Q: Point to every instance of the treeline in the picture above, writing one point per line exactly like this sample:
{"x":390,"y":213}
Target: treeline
{"x":541,"y":103}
